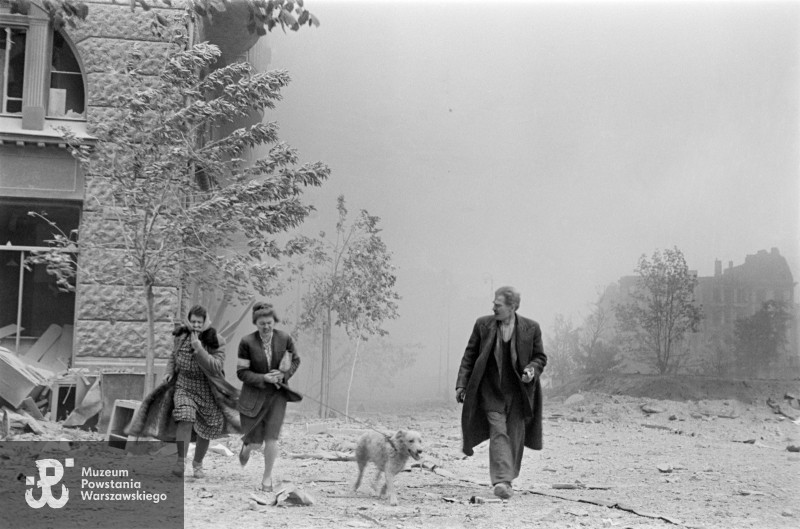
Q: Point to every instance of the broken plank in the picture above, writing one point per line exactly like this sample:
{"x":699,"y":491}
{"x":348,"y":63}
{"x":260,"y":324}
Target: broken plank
{"x":30,"y":406}
{"x":8,"y":330}
{"x":44,"y":343}
{"x":325,"y":456}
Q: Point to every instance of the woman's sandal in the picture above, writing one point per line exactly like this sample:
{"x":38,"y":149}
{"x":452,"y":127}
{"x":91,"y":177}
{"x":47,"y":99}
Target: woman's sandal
{"x":266,"y":487}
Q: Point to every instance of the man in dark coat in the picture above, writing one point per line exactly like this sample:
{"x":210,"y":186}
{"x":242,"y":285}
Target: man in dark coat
{"x":498,"y":382}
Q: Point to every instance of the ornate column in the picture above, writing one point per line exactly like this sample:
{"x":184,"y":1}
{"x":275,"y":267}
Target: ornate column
{"x":37,"y":67}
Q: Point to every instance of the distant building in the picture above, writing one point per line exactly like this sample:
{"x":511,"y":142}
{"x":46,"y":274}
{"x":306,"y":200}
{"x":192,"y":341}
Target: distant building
{"x":737,"y":292}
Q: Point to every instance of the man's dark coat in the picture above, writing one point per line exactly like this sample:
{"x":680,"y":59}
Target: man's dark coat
{"x":526,"y":351}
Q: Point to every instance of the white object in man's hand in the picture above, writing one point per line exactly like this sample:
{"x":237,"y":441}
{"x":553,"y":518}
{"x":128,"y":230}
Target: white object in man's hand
{"x":528,"y":375}
{"x":273,"y":376}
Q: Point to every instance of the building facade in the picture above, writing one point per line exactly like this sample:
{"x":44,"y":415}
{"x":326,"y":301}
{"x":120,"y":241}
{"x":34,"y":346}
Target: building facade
{"x":55,"y":80}
{"x":738,"y":292}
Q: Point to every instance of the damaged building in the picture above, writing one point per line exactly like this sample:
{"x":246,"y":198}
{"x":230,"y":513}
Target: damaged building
{"x":55,"y":80}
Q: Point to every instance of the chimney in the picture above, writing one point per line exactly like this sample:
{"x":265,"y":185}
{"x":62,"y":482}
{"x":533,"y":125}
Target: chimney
{"x":717,"y":267}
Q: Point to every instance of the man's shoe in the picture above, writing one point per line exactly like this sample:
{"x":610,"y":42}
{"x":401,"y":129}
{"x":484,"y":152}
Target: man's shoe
{"x":244,"y":454}
{"x":503,"y":490}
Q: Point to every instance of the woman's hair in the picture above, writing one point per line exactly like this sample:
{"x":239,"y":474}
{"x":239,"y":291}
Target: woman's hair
{"x":263,"y":309}
{"x":510,"y":294}
{"x":197,"y":310}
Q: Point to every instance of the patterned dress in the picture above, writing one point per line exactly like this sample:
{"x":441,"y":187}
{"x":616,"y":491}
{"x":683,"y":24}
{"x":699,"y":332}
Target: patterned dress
{"x":194,"y":401}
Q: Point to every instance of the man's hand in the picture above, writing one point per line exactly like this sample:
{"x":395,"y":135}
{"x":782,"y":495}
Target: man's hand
{"x":460,"y":394}
{"x":528,"y":374}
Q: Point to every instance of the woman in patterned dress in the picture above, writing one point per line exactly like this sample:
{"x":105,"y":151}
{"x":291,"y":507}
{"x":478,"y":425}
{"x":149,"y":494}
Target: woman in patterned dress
{"x":196,"y":357}
{"x":266,"y":360}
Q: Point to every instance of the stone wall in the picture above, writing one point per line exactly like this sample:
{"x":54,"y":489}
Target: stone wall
{"x":111,"y":326}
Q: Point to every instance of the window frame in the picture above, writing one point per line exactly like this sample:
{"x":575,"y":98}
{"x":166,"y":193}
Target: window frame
{"x":10,"y":250}
{"x":6,"y":28}
{"x":25,"y":22}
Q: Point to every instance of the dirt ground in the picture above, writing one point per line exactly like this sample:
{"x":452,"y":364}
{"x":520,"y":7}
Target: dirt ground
{"x":607,"y":463}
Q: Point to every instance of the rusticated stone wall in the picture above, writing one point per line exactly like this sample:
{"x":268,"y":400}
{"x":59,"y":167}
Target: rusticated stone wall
{"x":111,"y":326}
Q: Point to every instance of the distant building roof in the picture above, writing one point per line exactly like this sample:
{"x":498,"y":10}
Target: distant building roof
{"x":762,"y":267}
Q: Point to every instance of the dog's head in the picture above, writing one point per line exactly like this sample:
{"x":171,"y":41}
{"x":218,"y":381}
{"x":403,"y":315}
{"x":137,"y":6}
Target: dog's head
{"x":410,"y":442}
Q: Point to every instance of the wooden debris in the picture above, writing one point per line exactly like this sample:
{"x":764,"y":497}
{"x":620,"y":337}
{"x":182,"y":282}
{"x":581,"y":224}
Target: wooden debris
{"x":745,"y":492}
{"x":325,"y":456}
{"x":569,"y":486}
{"x":5,"y":426}
{"x":30,"y":406}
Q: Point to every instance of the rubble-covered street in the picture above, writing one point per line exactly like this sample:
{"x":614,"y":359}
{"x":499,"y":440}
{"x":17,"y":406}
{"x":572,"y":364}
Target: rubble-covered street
{"x":609,"y":461}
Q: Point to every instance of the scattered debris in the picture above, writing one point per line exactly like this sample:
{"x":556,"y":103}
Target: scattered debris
{"x":5,"y":426}
{"x":745,"y":492}
{"x":325,"y":455}
{"x":221,"y":449}
{"x":29,"y":405}
{"x":574,"y":399}
{"x":370,"y":518}
{"x":260,"y":499}
{"x":477,"y":499}
{"x":292,"y":495}
{"x":793,"y":448}
{"x":650,"y":408}
{"x":786,"y":411}
{"x":576,"y":485}
{"x":89,"y":407}
{"x":666,"y":468}
{"x":19,"y":379}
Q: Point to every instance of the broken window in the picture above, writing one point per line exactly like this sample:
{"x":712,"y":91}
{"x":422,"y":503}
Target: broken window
{"x":66,"y":82}
{"x":12,"y":50}
{"x":33,"y":310}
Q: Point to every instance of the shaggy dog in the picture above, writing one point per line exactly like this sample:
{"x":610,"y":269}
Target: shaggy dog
{"x":389,"y":455}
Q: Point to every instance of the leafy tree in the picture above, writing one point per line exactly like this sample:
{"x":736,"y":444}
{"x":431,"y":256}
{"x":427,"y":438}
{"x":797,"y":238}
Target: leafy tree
{"x":562,"y":350}
{"x":661,"y":309}
{"x":763,"y":337}
{"x":597,"y":351}
{"x":354,"y":279}
{"x":263,"y":15}
{"x":182,"y":201}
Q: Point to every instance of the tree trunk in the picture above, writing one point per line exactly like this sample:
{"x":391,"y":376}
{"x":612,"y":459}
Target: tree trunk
{"x":328,"y":363}
{"x":322,"y":373}
{"x":350,"y":385}
{"x":151,"y":340}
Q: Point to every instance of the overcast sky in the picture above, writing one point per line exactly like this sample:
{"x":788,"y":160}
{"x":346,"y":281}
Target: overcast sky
{"x":548,"y":145}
